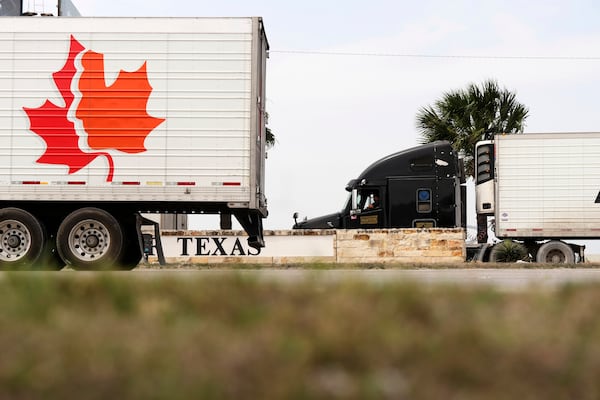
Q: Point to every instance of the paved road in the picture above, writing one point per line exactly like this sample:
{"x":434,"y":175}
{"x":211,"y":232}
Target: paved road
{"x":508,"y":279}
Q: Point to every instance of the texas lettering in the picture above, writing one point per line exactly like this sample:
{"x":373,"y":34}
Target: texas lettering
{"x":214,"y":246}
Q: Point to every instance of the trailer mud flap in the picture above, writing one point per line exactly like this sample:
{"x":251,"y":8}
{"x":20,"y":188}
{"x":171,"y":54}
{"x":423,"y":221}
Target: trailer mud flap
{"x":251,"y":221}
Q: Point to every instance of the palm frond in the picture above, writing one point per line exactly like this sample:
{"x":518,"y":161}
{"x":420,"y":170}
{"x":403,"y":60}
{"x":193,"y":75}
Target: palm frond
{"x":466,"y":116}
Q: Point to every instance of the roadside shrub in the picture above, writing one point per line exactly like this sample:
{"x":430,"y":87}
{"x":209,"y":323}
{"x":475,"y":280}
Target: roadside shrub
{"x":508,"y":251}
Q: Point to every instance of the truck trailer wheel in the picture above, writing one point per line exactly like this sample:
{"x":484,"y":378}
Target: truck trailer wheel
{"x":90,"y":239}
{"x":21,"y":239}
{"x":555,"y":252}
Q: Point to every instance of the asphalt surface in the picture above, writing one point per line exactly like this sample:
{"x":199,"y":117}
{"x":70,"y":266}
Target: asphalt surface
{"x":507,"y":279}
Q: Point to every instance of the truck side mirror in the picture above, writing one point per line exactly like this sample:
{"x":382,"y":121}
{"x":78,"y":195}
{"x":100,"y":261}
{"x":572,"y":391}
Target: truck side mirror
{"x":354,"y":209}
{"x":354,"y":203}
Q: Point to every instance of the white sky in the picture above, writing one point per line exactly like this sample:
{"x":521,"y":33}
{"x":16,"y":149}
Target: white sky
{"x":334,"y":115}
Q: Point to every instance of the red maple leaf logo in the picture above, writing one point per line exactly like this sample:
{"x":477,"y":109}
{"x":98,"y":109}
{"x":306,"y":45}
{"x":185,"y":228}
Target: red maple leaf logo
{"x":114,"y":117}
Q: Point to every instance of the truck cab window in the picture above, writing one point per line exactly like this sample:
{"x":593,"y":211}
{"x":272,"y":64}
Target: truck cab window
{"x":371,"y":200}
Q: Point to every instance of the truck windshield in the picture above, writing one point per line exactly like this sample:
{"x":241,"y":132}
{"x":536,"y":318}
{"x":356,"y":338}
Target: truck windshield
{"x":348,"y":202}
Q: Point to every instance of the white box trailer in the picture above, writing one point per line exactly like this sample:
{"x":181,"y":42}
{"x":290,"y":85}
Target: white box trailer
{"x":104,"y":118}
{"x":541,"y":187}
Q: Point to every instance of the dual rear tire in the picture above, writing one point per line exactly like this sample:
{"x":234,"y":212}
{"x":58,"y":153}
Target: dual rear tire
{"x":555,"y":252}
{"x":22,"y":239}
{"x":92,"y":239}
{"x":88,"y":239}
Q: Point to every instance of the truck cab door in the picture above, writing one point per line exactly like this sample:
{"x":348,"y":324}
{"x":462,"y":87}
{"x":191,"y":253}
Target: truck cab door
{"x":413,"y":202}
{"x":365,"y":211}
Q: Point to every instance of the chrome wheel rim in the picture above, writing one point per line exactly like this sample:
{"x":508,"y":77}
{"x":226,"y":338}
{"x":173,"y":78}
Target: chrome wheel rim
{"x":15,"y":240}
{"x":556,"y":257}
{"x":89,"y":240}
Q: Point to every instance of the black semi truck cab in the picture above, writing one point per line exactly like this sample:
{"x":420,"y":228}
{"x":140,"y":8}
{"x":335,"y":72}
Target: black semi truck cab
{"x":422,"y":187}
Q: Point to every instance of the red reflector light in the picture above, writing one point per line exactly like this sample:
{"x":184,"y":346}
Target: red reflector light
{"x":186,"y":183}
{"x":232,"y":184}
{"x":130,"y":183}
{"x":76,"y":183}
{"x":31,"y":182}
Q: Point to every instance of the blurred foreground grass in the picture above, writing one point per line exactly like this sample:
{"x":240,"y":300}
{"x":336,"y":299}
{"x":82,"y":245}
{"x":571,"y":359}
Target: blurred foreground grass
{"x":127,"y":336}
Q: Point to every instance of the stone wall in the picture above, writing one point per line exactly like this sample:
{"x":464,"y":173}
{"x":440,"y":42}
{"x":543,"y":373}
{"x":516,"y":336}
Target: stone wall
{"x":437,"y":245}
{"x":400,"y":246}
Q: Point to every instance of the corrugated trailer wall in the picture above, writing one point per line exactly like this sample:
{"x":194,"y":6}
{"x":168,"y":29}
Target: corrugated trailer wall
{"x":548,"y":185}
{"x":150,"y":108}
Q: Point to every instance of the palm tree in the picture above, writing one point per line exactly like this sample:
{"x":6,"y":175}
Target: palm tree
{"x":464,"y":117}
{"x":269,"y":135}
{"x":269,"y":138}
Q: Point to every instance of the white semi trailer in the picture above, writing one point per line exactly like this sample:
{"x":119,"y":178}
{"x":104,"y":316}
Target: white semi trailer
{"x":102,"y":119}
{"x":542,"y":190}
